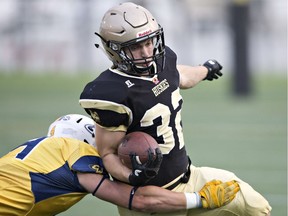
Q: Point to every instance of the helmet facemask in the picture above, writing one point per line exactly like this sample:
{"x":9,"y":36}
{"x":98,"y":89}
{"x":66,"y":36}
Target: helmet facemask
{"x":134,"y":66}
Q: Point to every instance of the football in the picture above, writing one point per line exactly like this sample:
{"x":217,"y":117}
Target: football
{"x":139,"y":143}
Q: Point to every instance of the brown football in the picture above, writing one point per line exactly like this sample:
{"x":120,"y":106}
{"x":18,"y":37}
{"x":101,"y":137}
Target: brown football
{"x":139,"y":143}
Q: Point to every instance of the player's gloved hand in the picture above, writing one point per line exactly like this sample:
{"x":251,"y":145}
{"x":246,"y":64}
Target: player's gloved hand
{"x":142,"y":173}
{"x":215,"y":194}
{"x":214,"y":69}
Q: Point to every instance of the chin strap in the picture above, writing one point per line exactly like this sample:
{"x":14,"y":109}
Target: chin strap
{"x":149,"y":71}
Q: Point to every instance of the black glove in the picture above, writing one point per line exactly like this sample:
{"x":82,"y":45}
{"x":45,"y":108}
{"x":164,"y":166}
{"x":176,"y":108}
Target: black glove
{"x":142,"y":173}
{"x":213,"y":69}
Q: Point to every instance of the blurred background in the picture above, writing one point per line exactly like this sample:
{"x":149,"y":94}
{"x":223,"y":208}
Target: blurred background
{"x":47,"y":55}
{"x":58,"y":35}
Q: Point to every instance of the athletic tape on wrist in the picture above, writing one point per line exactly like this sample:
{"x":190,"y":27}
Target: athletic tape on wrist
{"x":193,"y":200}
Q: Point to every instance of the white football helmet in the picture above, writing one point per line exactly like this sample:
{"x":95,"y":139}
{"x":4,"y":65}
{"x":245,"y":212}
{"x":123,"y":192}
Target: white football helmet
{"x":126,"y":25}
{"x":74,"y":126}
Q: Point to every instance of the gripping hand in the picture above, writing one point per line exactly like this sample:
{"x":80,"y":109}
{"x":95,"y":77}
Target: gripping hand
{"x":215,"y":194}
{"x":214,"y":69}
{"x":142,"y":173}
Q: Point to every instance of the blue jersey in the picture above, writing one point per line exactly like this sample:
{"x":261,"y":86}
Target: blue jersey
{"x":39,"y":177}
{"x":121,"y":102}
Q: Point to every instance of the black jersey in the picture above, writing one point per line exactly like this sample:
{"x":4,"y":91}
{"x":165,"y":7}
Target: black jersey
{"x":120,"y":102}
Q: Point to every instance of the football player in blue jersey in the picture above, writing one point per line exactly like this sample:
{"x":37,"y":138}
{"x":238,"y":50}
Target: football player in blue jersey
{"x":141,"y":92}
{"x":48,"y":175}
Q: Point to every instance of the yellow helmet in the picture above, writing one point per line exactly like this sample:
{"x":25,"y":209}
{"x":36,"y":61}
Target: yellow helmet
{"x":128,"y":24}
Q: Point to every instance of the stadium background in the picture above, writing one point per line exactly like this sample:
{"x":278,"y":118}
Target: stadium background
{"x":47,"y":56}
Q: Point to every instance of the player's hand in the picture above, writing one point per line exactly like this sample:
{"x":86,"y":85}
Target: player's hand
{"x":142,"y":173}
{"x":215,"y":194}
{"x":214,"y":69}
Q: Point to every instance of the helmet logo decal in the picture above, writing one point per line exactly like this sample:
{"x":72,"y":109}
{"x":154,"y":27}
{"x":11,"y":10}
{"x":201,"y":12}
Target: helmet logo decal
{"x":144,"y":33}
{"x":91,"y":129}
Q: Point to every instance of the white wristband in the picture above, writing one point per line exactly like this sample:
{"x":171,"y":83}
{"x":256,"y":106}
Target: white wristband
{"x":193,"y":200}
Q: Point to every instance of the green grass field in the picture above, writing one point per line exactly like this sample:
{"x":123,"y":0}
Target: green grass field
{"x":245,"y":135}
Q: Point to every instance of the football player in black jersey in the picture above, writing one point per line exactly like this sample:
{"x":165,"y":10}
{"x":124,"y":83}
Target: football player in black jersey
{"x":141,"y":92}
